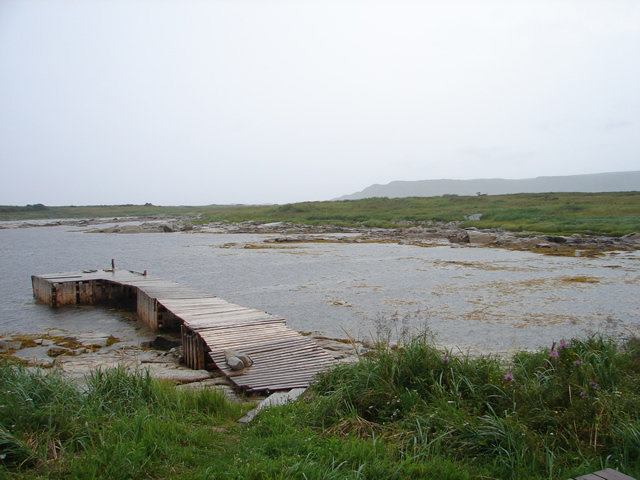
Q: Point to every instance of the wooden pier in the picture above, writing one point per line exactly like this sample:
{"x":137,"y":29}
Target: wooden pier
{"x":282,"y":358}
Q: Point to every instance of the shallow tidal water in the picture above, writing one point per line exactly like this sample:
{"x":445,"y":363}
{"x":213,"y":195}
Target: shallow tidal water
{"x":470,"y":298}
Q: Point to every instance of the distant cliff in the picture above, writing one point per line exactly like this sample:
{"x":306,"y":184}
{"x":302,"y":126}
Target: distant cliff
{"x":597,"y":182}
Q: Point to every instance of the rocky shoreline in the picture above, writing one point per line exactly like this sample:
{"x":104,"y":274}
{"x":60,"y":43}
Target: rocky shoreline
{"x":422,"y":234}
{"x":77,"y":355}
{"x":427,"y":234}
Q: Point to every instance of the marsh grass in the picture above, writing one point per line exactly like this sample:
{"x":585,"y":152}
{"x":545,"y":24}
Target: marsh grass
{"x":613,"y":213}
{"x":412,"y":411}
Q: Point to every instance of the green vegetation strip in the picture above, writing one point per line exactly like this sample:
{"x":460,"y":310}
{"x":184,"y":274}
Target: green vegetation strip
{"x":408,"y":412}
{"x":613,"y":214}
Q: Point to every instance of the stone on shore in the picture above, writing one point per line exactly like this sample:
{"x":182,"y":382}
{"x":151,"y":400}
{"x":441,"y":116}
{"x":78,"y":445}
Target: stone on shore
{"x":477,"y":237}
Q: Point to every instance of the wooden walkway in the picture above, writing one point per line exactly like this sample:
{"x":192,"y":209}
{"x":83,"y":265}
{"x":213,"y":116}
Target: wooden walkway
{"x":283,"y":359}
{"x":607,"y":474}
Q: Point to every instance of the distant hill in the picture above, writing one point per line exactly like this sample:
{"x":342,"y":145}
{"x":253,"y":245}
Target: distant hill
{"x":597,"y":182}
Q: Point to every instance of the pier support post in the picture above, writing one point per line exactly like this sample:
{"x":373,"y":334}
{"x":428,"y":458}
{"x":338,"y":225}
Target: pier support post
{"x":193,"y":348}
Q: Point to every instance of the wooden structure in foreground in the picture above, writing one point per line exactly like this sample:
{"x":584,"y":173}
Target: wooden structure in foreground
{"x":283,"y":359}
{"x":606,"y":474}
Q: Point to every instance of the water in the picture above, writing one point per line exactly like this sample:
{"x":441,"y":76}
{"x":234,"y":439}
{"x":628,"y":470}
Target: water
{"x":471,"y":298}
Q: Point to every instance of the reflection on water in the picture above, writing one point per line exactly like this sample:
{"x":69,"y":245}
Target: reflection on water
{"x":484,"y":298}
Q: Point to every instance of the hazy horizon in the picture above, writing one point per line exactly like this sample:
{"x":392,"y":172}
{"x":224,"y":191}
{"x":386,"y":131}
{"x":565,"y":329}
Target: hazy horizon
{"x":270,"y":102}
{"x":393,"y":188}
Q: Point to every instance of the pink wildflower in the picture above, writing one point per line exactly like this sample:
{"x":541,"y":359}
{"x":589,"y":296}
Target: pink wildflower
{"x":578,"y":363}
{"x":563,"y":344}
{"x":445,"y":359}
{"x":554,"y":353}
{"x":508,"y":377}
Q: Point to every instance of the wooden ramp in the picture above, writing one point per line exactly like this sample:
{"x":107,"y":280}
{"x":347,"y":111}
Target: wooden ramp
{"x":283,"y":359}
{"x":606,"y":474}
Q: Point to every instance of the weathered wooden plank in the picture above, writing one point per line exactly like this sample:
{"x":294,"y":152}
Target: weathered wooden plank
{"x":258,"y":382}
{"x":85,"y":292}
{"x":65,"y":293}
{"x":221,"y":323}
{"x":280,"y":386}
{"x":293,"y":364}
{"x":305,"y":353}
{"x":262,"y":364}
{"x":271,"y":369}
{"x":269,"y":329}
{"x":311,"y":355}
{"x":200,"y":309}
{"x":277,"y":345}
{"x":269,"y":379}
{"x":256,"y":347}
{"x":194,"y":303}
{"x":246,"y":340}
{"x":147,"y":308}
{"x":606,"y":474}
{"x":232,"y":313}
{"x":42,"y":290}
{"x":240,"y":316}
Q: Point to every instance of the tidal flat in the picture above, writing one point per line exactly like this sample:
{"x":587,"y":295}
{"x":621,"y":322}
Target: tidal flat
{"x":472,"y":298}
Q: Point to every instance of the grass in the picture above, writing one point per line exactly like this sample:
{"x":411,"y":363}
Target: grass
{"x":124,"y":426}
{"x":613,"y":214}
{"x":406,"y":412}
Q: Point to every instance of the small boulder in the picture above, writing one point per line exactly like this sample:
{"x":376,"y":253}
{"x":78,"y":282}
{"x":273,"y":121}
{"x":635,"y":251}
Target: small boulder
{"x":458,"y":236}
{"x":480,"y":238}
{"x":556,"y":239}
{"x":235,"y":363}
{"x":246,"y":359}
{"x":532,"y":242}
{"x":272,"y":225}
{"x":237,"y":360}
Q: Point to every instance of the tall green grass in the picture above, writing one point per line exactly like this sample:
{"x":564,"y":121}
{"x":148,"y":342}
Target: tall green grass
{"x":559,"y":412}
{"x":407,"y":412}
{"x":125,"y":425}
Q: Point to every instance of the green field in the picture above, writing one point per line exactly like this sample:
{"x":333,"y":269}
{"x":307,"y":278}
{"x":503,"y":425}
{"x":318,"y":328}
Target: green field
{"x":612,"y":214}
{"x":410,"y":412}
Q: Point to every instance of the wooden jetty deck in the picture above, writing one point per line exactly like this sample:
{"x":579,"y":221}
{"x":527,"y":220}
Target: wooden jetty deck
{"x":283,"y":359}
{"x":606,"y":474}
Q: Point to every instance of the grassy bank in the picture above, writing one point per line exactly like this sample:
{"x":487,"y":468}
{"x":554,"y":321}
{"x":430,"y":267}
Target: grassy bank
{"x":411,"y":412}
{"x":40,"y":211}
{"x":602,"y":214}
{"x":558,"y":213}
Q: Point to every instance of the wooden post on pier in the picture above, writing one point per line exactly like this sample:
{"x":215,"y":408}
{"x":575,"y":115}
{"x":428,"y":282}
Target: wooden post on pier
{"x":193,"y":349}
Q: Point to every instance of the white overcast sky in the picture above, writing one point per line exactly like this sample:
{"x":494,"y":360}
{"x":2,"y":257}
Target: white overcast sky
{"x":195,"y":102}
